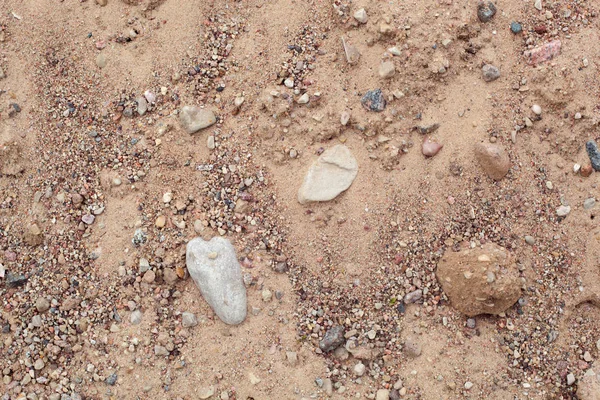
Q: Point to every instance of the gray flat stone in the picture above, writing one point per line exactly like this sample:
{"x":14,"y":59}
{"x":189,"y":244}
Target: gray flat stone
{"x":214,"y":266}
{"x":194,"y":118}
{"x":332,"y":173}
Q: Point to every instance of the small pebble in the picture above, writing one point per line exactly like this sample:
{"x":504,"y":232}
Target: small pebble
{"x":537,"y":110}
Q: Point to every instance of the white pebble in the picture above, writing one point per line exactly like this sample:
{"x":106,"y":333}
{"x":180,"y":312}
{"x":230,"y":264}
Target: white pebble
{"x":537,"y":110}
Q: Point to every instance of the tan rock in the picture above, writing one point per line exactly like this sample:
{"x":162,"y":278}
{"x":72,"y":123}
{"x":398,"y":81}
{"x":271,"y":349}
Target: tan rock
{"x":33,"y":236}
{"x":387,"y":69}
{"x":588,"y":387}
{"x":493,"y":160}
{"x":481,"y":280}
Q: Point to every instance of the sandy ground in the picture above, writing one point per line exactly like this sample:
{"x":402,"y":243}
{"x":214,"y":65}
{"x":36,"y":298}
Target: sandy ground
{"x":77,"y":148}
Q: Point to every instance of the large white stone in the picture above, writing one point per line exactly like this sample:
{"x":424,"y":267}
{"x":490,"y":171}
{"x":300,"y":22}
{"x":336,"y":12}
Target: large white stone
{"x":331,"y":174}
{"x":194,"y":118}
{"x":213,"y":265}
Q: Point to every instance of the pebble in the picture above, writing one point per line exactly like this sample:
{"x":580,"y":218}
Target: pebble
{"x":136,"y":317}
{"x":537,"y":110}
{"x":112,"y":379}
{"x":352,"y":53}
{"x":373,"y":100}
{"x":589,"y":203}
{"x":468,"y":385}
{"x":563,"y":211}
{"x":149,"y":276}
{"x":413,"y":296}
{"x":411,"y":348}
{"x":570,"y":379}
{"x":42,"y":304}
{"x":586,"y":170}
{"x":492,"y":290}
{"x":292,"y":358}
{"x":194,"y":118}
{"x":359,"y":369}
{"x":39,"y":364}
{"x":206,"y":392}
{"x":530,"y":240}
{"x":382,"y":394}
{"x":101,"y":61}
{"x":331,"y":174}
{"x":88,"y":219}
{"x":361,"y":16}
{"x":167,"y":197}
{"x":485,"y":11}
{"x":593,"y":154}
{"x":267,"y":295}
{"x":142,"y":105}
{"x":577,"y":116}
{"x":210,"y":142}
{"x":160,"y":222}
{"x":516,"y":27}
{"x":430,"y":147}
{"x":471,"y":323}
{"x":303,"y":99}
{"x":345,"y":118}
{"x":333,"y":338}
{"x":538,"y":5}
{"x":219,"y":278}
{"x":160,"y":350}
{"x":387,"y":69}
{"x":144,"y":265}
{"x":188,"y":320}
{"x":543,"y":53}
{"x":490,"y":72}
{"x":493,"y":159}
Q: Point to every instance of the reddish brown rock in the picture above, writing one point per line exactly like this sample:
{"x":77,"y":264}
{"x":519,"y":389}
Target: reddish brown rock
{"x":483,"y":280}
{"x":493,"y":159}
{"x":586,"y":170}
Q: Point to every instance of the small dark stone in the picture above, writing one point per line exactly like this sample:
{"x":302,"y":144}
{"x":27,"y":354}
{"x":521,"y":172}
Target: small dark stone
{"x":6,"y":328}
{"x":128,"y":112}
{"x":332,"y":339}
{"x":594,"y":154}
{"x":427,"y":129}
{"x":485,"y":11}
{"x":373,"y":100}
{"x":16,"y":107}
{"x":112,"y":379}
{"x":516,"y":28}
{"x":15,"y":280}
{"x":401,"y":308}
{"x":395,"y":394}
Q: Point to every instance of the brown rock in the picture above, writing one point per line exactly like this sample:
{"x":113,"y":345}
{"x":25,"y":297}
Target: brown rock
{"x":493,"y":159}
{"x":481,"y":280}
{"x":170,"y":276}
{"x":149,"y":276}
{"x":586,"y":170}
{"x":588,"y":387}
{"x":33,"y":236}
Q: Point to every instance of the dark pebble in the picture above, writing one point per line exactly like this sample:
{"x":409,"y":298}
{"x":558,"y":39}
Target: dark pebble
{"x":485,"y":11}
{"x":373,"y":100}
{"x":333,"y":339}
{"x":15,"y":280}
{"x":401,"y":308}
{"x":594,"y":154}
{"x":516,"y":27}
{"x":111,"y":379}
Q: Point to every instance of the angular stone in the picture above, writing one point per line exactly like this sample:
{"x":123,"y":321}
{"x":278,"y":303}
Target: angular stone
{"x":543,"y":53}
{"x":214,"y":266}
{"x":333,"y":338}
{"x":490,"y":72}
{"x":188,"y":320}
{"x":361,"y":16}
{"x":493,"y":159}
{"x":194,"y":118}
{"x":352,"y":53}
{"x":387,"y":69}
{"x":331,"y":174}
{"x":480,"y":280}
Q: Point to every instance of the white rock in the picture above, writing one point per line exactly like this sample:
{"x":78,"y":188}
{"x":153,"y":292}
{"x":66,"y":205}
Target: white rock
{"x":395,"y":51}
{"x":167,"y":197}
{"x":194,"y":118}
{"x":563,"y":211}
{"x":289,"y":83}
{"x":537,"y":110}
{"x":214,"y":266}
{"x":387,"y":69}
{"x":136,"y":317}
{"x":361,"y":16}
{"x":142,"y":105}
{"x":303,"y":99}
{"x":538,"y":5}
{"x":331,"y":174}
{"x":345,"y":118}
{"x":188,"y":320}
{"x":468,"y":385}
{"x":570,"y":379}
{"x":382,"y":394}
{"x":359,"y":369}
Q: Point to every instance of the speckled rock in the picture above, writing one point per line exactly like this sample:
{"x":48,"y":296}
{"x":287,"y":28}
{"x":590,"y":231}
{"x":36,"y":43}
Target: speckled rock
{"x":333,"y":338}
{"x":480,"y":280}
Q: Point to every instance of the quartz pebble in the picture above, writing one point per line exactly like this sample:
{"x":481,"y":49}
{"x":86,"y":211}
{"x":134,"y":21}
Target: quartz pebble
{"x":361,"y":16}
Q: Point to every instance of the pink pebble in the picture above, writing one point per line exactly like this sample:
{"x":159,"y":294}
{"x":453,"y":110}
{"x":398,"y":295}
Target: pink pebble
{"x":431,"y":148}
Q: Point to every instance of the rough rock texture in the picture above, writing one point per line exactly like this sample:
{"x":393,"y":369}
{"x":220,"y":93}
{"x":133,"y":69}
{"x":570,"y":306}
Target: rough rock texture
{"x":214,"y":267}
{"x":332,"y":173}
{"x":373,"y":100}
{"x":543,"y":53}
{"x":332,"y":339}
{"x":588,"y":387}
{"x":481,"y":280}
{"x":194,"y":118}
{"x":592,"y":150}
{"x":493,"y":159}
